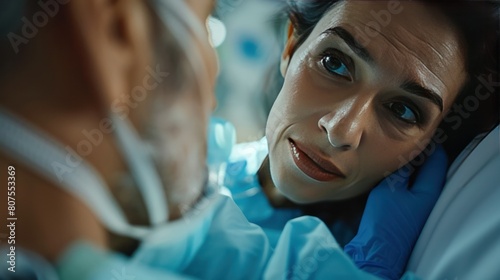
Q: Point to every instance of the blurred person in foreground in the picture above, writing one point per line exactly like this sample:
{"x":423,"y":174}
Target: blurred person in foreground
{"x":104,"y":113}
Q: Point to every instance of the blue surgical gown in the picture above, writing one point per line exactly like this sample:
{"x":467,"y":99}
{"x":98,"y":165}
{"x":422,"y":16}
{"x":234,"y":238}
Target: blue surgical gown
{"x":232,"y":248}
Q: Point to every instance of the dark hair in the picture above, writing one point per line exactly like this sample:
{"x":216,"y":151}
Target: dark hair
{"x":478,"y":23}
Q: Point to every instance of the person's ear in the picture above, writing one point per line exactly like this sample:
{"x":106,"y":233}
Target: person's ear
{"x":113,"y":44}
{"x":289,"y":49}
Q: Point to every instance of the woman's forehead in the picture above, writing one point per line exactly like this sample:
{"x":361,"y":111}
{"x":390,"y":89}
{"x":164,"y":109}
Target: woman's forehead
{"x":406,"y":40}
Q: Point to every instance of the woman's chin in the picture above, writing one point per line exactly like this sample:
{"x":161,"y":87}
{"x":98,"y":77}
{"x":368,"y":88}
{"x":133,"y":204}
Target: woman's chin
{"x":301,"y":195}
{"x":310,"y":194}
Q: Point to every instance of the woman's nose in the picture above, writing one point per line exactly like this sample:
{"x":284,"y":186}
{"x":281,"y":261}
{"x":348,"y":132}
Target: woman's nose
{"x":345,"y":125}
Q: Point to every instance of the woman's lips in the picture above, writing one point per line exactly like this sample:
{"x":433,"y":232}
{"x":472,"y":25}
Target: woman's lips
{"x":314,"y":165}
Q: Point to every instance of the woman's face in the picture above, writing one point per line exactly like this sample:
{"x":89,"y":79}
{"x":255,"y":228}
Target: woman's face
{"x":362,"y":96}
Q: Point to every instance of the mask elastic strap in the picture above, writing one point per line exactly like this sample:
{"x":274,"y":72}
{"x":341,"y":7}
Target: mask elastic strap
{"x":45,"y":156}
{"x":143,"y":170}
{"x":184,"y":14}
{"x":180,"y":20}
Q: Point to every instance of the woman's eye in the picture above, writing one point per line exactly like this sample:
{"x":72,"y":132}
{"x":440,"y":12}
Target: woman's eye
{"x":336,"y":66}
{"x":403,"y":112}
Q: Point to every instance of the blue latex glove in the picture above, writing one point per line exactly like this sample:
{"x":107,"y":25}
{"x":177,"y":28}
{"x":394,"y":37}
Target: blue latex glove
{"x":394,"y":217}
{"x":220,"y":140}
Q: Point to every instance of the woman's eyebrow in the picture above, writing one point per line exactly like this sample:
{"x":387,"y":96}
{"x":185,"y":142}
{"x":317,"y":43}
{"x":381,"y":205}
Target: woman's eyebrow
{"x":409,"y":86}
{"x":353,"y":44}
{"x":417,"y":89}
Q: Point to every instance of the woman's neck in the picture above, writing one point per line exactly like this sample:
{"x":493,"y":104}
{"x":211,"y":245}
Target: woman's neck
{"x":348,"y":212}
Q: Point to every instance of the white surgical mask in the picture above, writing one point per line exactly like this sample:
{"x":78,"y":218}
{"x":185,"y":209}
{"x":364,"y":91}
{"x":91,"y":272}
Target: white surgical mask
{"x":43,"y":154}
{"x":176,"y":241}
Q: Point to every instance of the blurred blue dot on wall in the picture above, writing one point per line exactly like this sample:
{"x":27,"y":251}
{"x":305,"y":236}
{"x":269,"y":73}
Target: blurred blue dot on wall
{"x":250,"y":48}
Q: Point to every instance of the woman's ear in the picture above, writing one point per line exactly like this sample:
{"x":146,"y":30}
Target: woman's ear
{"x":288,"y":50}
{"x":113,"y":44}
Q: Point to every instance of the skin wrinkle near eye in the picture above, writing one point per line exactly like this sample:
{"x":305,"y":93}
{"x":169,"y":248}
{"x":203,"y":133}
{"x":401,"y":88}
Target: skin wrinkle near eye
{"x":425,"y":43}
{"x":350,"y":41}
{"x":442,"y":59}
{"x":420,"y":73}
{"x":448,"y":50}
{"x":328,"y":40}
{"x":333,"y":31}
{"x":414,"y":54}
{"x":402,"y":45}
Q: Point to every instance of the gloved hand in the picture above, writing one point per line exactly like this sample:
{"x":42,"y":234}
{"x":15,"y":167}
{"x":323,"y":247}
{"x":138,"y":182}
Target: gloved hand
{"x":220,"y":141}
{"x":221,"y":137}
{"x":394,"y":217}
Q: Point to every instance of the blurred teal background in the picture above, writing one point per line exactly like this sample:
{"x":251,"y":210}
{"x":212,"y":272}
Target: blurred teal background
{"x":249,"y":36}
